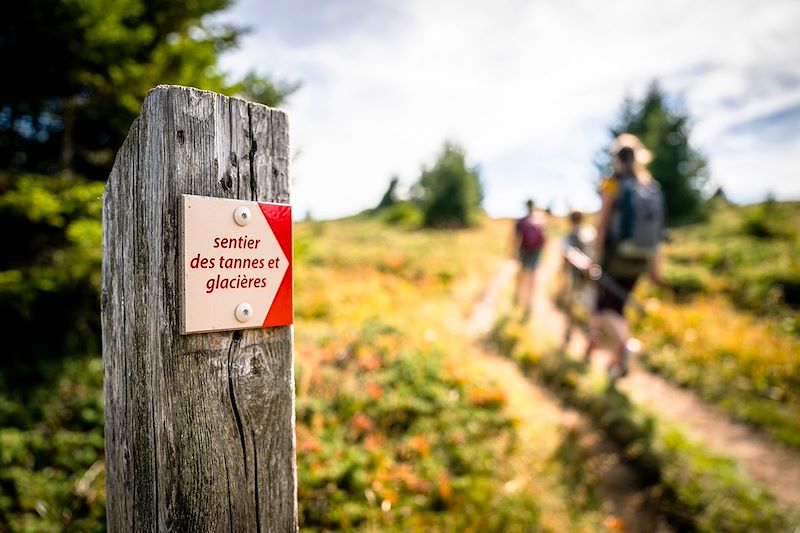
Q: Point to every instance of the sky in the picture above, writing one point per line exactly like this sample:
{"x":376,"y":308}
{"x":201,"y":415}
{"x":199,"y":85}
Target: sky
{"x":527,"y":88}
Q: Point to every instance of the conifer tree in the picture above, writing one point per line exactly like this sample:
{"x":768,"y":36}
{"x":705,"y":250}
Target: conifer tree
{"x":677,"y":165}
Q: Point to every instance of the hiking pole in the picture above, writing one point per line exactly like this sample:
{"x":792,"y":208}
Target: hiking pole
{"x":586,"y":264}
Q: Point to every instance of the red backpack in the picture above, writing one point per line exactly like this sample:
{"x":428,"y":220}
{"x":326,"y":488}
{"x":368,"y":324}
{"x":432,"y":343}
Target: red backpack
{"x":532,"y":235}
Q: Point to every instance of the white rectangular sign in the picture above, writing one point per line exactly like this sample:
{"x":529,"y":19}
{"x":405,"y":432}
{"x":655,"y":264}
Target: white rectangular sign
{"x":236,"y":264}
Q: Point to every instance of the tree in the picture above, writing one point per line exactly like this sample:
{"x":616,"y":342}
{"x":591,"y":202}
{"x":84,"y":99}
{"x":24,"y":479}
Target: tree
{"x":390,"y":196}
{"x":451,"y":193}
{"x":76,"y":72}
{"x":664,"y":130}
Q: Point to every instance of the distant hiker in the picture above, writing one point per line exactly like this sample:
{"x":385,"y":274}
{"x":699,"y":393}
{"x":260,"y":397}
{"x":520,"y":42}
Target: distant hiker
{"x":580,"y":237}
{"x":629,"y":232}
{"x":528,"y":241}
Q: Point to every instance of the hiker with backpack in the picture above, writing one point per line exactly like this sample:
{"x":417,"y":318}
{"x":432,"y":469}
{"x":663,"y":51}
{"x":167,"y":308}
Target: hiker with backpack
{"x":528,"y":242}
{"x":629,"y":231}
{"x":576,"y":280}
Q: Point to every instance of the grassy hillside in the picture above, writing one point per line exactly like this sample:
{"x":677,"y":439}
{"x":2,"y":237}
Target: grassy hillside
{"x":398,"y":427}
{"x":727,"y":322}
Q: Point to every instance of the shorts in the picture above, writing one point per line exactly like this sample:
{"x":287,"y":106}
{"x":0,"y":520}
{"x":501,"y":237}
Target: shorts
{"x":529,"y":258}
{"x":610,"y":300}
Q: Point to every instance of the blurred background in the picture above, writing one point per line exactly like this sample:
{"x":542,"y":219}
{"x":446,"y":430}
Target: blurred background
{"x":393,"y":106}
{"x":527,"y":88}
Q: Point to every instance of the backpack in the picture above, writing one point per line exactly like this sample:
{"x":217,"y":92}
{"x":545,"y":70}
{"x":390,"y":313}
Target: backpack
{"x":532,"y":235}
{"x":636,"y":227}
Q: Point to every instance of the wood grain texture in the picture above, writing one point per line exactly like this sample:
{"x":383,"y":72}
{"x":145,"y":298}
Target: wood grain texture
{"x":199,"y":428}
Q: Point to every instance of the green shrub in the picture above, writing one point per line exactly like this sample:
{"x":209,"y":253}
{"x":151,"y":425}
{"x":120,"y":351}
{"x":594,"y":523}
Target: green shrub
{"x":402,"y":214}
{"x":683,"y":280}
{"x":756,"y":224}
{"x":51,"y":268}
{"x":451,"y":192}
{"x":51,"y":452}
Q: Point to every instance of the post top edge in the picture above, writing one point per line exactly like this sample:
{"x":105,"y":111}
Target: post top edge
{"x":166,"y":88}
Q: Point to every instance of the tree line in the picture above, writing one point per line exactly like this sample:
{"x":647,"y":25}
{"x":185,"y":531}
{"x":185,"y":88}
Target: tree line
{"x":450,"y":193}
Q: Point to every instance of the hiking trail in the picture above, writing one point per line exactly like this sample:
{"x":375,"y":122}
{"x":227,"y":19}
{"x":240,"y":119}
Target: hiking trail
{"x":771,"y":463}
{"x":622,"y":494}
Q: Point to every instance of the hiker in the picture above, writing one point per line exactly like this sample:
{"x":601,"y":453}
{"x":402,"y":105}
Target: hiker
{"x":528,"y":241}
{"x":629,"y":231}
{"x":580,"y":237}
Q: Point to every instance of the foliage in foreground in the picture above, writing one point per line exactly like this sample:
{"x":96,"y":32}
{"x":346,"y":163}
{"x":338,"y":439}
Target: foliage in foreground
{"x":389,"y":438}
{"x":51,"y":452}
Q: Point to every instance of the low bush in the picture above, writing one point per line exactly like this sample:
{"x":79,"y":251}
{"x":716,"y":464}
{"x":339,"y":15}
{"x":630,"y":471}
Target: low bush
{"x":51,"y":452}
{"x":402,"y":214}
{"x":390,"y":439}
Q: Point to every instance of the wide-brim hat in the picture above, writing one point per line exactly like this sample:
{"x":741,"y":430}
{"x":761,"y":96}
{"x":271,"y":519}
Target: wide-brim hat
{"x":642,"y":155}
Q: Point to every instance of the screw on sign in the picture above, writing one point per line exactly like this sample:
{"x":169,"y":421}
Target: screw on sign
{"x":242,"y":216}
{"x":243,"y":312}
{"x":236,"y":264}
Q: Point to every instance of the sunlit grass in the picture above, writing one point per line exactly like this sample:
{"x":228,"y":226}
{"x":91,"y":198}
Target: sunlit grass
{"x":402,"y":423}
{"x":728,"y":322}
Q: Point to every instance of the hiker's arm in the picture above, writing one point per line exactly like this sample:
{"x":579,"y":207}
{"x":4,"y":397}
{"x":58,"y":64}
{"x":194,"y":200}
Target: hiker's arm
{"x":603,"y":220}
{"x":655,"y":268}
{"x":516,"y":243}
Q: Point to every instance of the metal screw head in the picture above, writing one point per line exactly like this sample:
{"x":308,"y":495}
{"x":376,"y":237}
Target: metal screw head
{"x":242,"y":216}
{"x":244,"y":312}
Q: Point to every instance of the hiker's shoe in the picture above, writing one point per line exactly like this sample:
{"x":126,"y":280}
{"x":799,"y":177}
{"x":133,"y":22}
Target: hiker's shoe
{"x":616,"y":371}
{"x":624,"y":357}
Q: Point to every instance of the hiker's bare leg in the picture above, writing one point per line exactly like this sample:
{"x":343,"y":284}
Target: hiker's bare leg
{"x":617,"y":326}
{"x":531,"y":288}
{"x":519,"y":295}
{"x":571,"y":302}
{"x":593,"y":335}
{"x":570,"y":307}
{"x":524,"y":291}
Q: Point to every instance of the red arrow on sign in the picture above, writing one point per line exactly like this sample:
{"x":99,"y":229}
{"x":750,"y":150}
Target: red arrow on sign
{"x":279,"y":218}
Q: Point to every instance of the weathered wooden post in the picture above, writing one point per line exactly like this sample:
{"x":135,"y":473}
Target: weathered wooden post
{"x":199,"y":427}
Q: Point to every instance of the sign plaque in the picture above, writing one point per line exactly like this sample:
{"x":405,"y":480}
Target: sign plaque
{"x":236,"y":264}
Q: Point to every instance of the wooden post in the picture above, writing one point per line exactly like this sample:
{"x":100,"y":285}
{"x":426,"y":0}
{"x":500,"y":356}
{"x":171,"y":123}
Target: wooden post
{"x":199,"y":428}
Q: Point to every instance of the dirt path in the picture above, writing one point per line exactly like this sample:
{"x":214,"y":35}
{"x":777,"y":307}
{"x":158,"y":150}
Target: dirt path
{"x":624,"y":497}
{"x":766,"y":460}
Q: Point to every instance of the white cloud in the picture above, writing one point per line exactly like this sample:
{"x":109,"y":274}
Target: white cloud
{"x":527,"y":87}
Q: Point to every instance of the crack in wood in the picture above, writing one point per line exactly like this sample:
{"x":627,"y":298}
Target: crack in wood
{"x":235,"y":338}
{"x":253,"y":150}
